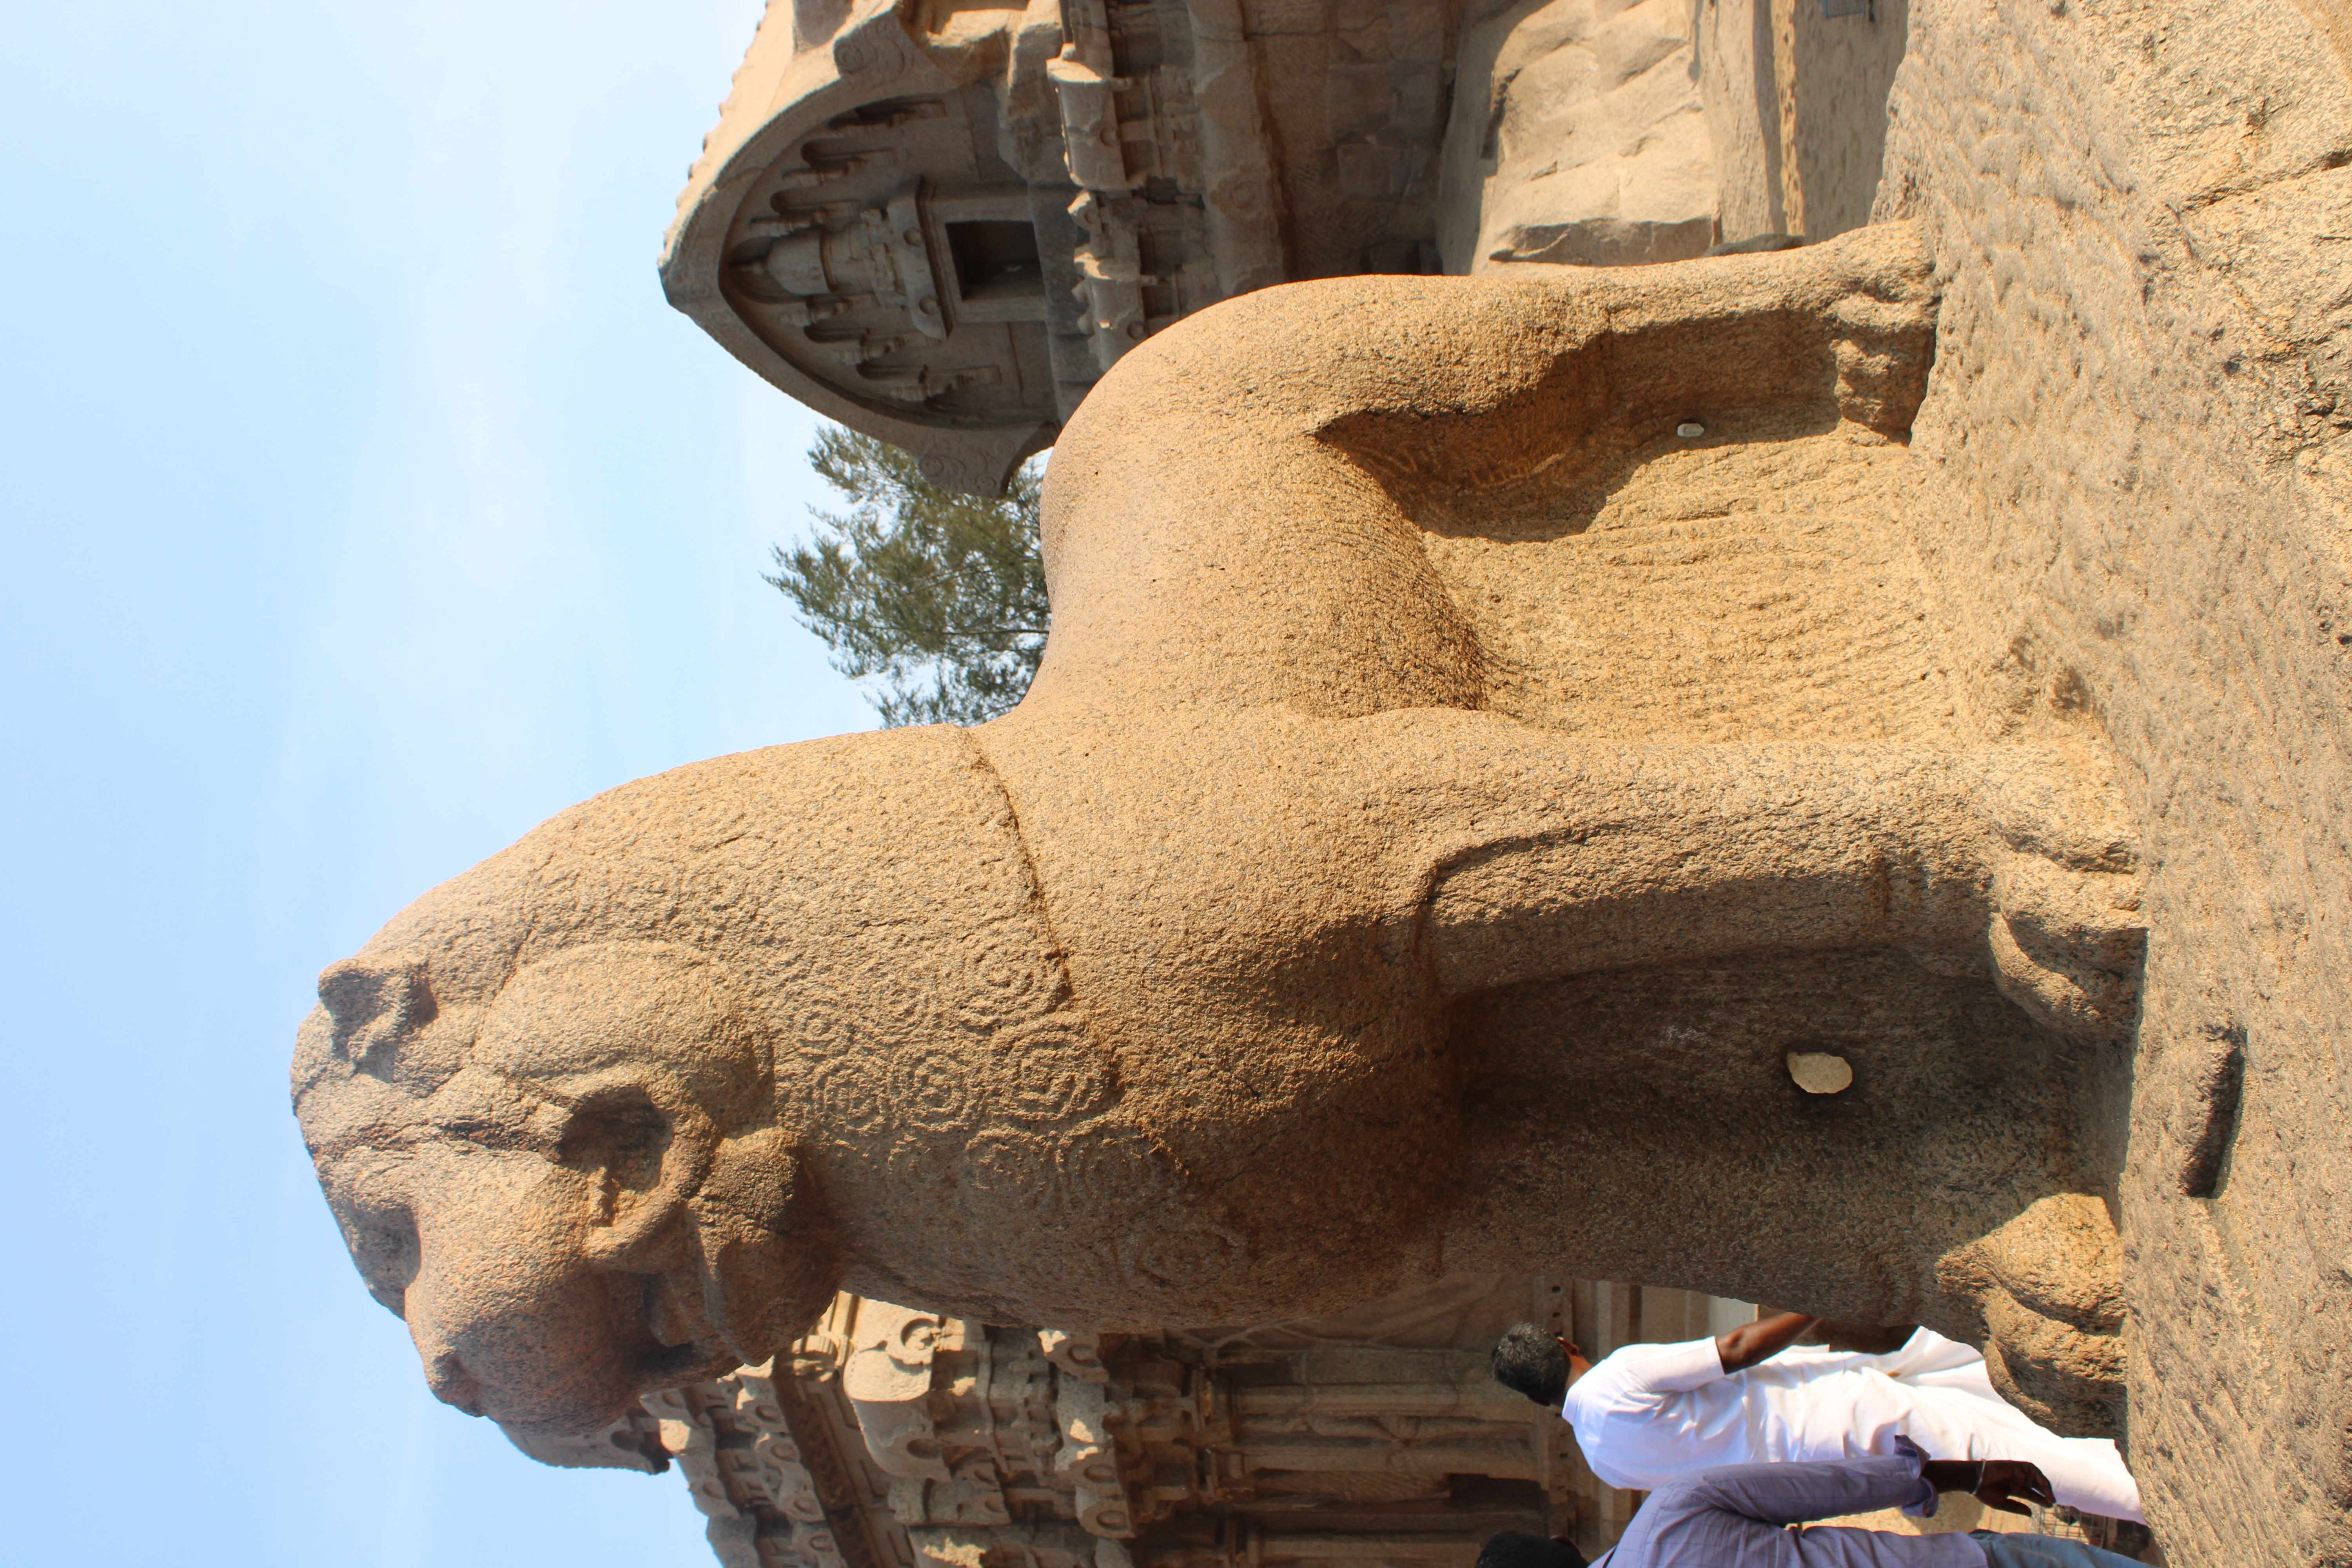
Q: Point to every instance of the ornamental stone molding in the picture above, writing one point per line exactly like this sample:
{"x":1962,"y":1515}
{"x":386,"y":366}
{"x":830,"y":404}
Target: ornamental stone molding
{"x":1374,"y":1437}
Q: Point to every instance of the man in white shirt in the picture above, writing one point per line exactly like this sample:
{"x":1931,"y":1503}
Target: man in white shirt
{"x":1647,"y":1415}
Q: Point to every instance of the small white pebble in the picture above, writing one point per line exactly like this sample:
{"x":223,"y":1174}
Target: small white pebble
{"x":1818,"y":1072}
{"x":1690,"y":430}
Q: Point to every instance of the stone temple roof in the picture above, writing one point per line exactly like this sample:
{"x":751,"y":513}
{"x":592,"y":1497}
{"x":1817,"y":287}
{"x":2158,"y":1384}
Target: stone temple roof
{"x":941,"y":224}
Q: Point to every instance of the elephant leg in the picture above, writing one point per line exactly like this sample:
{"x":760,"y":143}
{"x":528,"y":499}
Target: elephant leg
{"x":1538,"y":854}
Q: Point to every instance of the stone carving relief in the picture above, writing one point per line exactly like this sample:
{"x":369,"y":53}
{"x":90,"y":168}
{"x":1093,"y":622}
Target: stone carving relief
{"x":887,"y":1381}
{"x":1375,"y":1434}
{"x":747,"y":1473}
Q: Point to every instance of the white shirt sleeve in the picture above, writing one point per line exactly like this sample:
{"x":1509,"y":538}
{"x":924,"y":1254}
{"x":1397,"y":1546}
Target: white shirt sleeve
{"x":1661,"y":1369}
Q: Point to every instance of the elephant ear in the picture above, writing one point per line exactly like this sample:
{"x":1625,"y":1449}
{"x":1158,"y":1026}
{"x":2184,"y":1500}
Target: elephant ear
{"x":371,"y":1006}
{"x":771,"y":1261}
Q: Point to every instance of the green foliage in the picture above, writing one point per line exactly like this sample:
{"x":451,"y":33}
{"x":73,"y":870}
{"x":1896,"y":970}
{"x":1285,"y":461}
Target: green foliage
{"x":940,"y":596}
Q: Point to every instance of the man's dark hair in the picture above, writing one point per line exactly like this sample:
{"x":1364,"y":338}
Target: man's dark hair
{"x":1516,"y":1549}
{"x":1528,"y":1360}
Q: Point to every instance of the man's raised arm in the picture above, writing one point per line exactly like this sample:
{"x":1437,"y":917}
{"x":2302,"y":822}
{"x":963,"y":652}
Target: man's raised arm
{"x":1745,"y":1345}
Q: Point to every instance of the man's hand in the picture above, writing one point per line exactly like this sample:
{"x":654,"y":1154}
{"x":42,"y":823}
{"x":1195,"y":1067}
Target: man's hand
{"x":1745,"y":1345}
{"x":2008,"y":1484}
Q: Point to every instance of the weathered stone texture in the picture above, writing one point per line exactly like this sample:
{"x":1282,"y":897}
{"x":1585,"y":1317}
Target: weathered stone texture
{"x":1579,"y":135}
{"x":2137,"y":427}
{"x":1832,"y":76}
{"x":1757,"y":579}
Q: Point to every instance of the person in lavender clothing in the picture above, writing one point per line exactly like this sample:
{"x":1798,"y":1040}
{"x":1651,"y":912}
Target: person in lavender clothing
{"x":1648,"y":1415}
{"x":1739,"y":1516}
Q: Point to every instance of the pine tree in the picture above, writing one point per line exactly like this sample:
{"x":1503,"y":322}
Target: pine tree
{"x":937,"y":597}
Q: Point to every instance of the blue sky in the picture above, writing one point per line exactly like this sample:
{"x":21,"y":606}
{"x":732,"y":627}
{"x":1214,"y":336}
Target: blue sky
{"x":363,"y":505}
